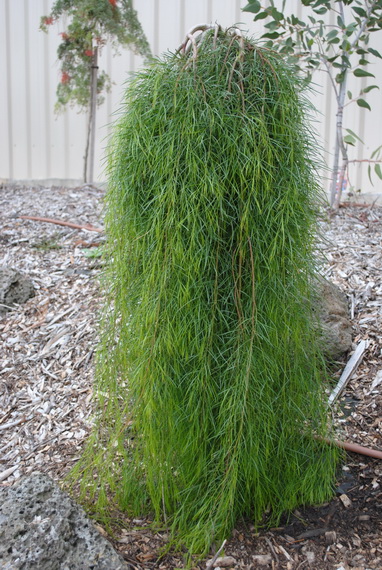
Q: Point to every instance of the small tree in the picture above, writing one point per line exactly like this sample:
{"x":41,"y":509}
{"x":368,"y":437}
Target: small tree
{"x":92,"y":24}
{"x":339,"y":49}
{"x":210,"y":375}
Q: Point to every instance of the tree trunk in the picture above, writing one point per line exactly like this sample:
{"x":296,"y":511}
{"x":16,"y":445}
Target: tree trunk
{"x":90,"y":140}
{"x":337,"y":175}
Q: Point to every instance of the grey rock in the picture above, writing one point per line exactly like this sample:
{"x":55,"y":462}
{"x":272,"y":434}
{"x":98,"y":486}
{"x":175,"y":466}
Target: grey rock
{"x":42,"y":528}
{"x":333,"y":313}
{"x":14,"y":288}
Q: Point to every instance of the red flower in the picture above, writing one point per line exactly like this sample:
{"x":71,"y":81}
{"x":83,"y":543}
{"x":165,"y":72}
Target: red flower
{"x":89,"y":52}
{"x":64,"y":36}
{"x":65,"y":77}
{"x":48,"y":21}
{"x":113,"y":3}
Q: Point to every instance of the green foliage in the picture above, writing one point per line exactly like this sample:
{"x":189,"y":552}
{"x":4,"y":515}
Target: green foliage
{"x":92,"y":23}
{"x":312,"y":43}
{"x":93,"y":252}
{"x":210,"y":376}
{"x":337,"y":48}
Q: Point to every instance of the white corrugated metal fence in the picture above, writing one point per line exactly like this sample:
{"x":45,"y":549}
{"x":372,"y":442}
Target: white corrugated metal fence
{"x":37,"y":144}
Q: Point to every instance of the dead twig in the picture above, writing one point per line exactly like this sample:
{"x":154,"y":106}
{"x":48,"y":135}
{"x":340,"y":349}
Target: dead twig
{"x":211,"y":562}
{"x":62,"y":223}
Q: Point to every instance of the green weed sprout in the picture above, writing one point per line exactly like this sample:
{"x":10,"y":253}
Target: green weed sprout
{"x":210,"y":374}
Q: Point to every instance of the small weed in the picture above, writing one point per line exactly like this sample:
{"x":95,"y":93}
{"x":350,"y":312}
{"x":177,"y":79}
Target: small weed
{"x":47,"y":243}
{"x":93,"y":252}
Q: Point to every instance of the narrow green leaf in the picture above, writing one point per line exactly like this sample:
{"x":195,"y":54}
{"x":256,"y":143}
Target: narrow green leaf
{"x":360,"y":11}
{"x":378,"y":170}
{"x":349,"y":140}
{"x":278,"y":16}
{"x":363,"y":103}
{"x":261,"y":16}
{"x":254,"y":6}
{"x":369,"y":88}
{"x":374,"y":52}
{"x":369,"y":174}
{"x":340,"y":22}
{"x":353,"y":134}
{"x":271,"y":35}
{"x":350,"y":95}
{"x":363,"y":61}
{"x":272,"y":25}
{"x":362,"y":73}
{"x":332,"y":34}
{"x":375,"y":153}
{"x":332,"y":59}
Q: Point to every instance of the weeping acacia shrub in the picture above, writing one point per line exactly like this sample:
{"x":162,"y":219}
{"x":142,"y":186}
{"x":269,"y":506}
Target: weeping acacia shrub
{"x":210,"y":375}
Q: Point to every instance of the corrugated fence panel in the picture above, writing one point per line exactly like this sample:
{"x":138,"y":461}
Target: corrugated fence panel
{"x":38,"y":144}
{"x":6,"y":140}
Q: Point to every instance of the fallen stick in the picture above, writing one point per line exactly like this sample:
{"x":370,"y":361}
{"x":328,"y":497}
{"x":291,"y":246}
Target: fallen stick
{"x":355,"y":448}
{"x":62,"y":223}
{"x":348,"y":372}
{"x":211,"y":562}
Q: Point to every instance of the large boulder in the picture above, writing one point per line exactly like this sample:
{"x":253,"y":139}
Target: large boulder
{"x":41,"y":528}
{"x":15,"y":288}
{"x":333,"y":314}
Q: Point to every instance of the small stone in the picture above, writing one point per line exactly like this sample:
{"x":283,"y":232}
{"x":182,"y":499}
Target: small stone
{"x":262,"y":559}
{"x":310,"y":556}
{"x":364,"y":517}
{"x":225,"y":562}
{"x":345,"y":501}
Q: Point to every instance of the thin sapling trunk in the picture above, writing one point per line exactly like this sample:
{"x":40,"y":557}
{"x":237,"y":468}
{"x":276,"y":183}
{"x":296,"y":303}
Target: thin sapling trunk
{"x":90,"y":139}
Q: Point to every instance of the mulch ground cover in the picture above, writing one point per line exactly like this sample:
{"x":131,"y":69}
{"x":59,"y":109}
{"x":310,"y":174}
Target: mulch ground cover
{"x":46,"y":374}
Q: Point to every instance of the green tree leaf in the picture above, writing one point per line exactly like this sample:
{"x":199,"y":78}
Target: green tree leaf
{"x":260,"y":16}
{"x":369,"y":88}
{"x":349,"y":140}
{"x":378,"y":170}
{"x":353,"y":134}
{"x":362,"y":73}
{"x":254,"y":6}
{"x":363,"y":103}
{"x":376,"y":152}
{"x":360,"y":11}
{"x":271,"y":35}
{"x":332,"y":34}
{"x":374,"y":52}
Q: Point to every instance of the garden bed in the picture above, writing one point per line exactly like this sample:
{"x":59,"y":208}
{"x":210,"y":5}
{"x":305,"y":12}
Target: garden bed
{"x":46,"y":378}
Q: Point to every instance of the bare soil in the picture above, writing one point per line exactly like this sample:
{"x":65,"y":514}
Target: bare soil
{"x":46,"y":374}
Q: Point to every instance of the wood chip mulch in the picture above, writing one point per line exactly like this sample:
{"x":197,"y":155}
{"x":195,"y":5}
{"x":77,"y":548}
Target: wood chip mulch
{"x":46,"y":373}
